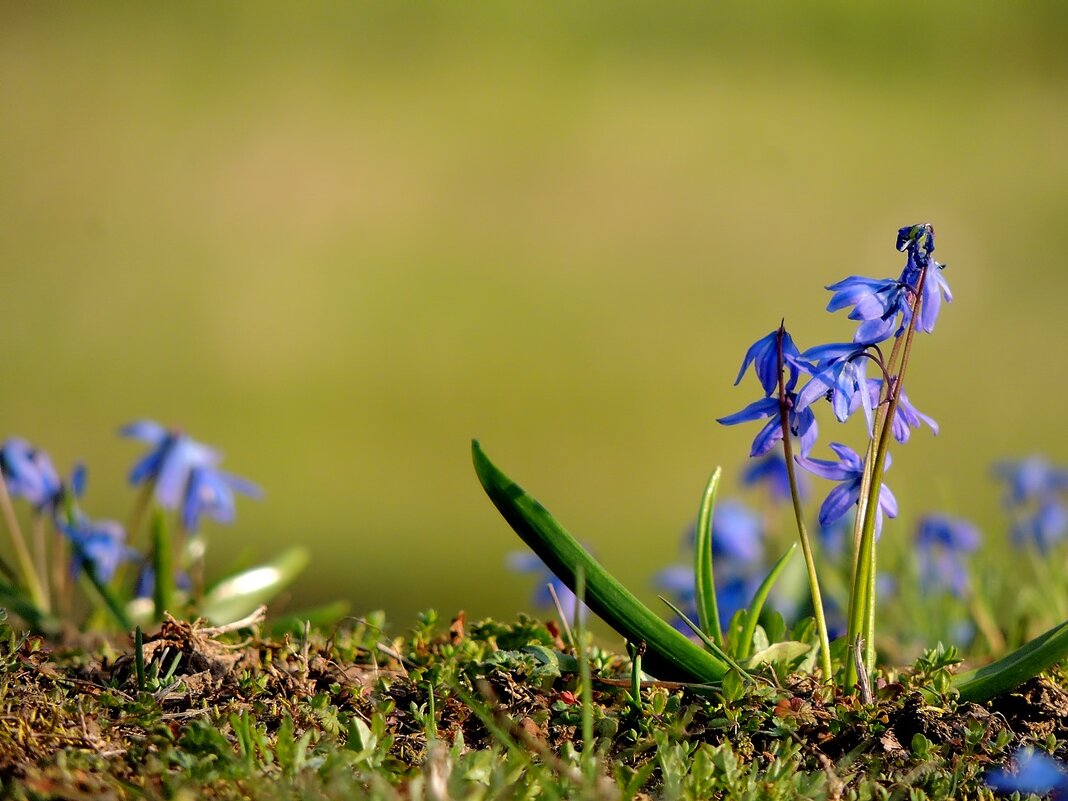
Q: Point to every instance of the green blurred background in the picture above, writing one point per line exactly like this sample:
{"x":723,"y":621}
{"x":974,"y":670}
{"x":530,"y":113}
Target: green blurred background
{"x":340,"y":240}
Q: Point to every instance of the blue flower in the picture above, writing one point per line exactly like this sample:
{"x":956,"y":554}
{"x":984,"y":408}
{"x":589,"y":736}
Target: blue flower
{"x":908,"y":416}
{"x":211,"y":492}
{"x":1044,"y":528}
{"x":1031,"y":479}
{"x":918,"y":241}
{"x":764,"y":356}
{"x":173,"y":456}
{"x":1035,"y":773}
{"x":849,"y":470}
{"x":941,"y":544}
{"x":878,"y":304}
{"x":29,"y":473}
{"x":801,"y":422}
{"x":526,"y":562}
{"x":839,"y":376}
{"x":770,"y":471}
{"x":100,"y":544}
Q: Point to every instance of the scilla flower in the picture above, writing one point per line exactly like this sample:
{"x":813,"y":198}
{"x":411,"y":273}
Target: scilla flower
{"x":29,"y":473}
{"x":211,"y":492}
{"x":849,"y":470}
{"x":172,"y":457}
{"x":100,"y":544}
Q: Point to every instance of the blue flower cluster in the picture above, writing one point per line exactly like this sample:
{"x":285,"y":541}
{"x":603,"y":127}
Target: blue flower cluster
{"x":1035,"y":500}
{"x":183,"y":472}
{"x":942,"y":546}
{"x":885,"y":309}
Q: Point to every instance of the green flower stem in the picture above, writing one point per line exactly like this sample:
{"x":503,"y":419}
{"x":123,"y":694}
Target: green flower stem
{"x":802,"y":529}
{"x":140,"y":509}
{"x":22,"y":553}
{"x":704,"y":577}
{"x":862,"y":596}
{"x":162,"y":565}
{"x":670,"y":655}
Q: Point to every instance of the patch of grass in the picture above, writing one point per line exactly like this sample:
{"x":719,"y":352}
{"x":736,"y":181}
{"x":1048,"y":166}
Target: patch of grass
{"x":491,"y":710}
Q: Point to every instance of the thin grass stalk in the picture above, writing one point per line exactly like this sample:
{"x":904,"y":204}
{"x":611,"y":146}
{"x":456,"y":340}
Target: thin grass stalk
{"x":862,"y":597}
{"x":802,"y":529}
{"x":704,"y":576}
{"x":22,"y":553}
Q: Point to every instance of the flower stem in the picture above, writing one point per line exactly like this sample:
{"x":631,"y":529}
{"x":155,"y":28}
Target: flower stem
{"x":22,"y":553}
{"x":862,"y":596}
{"x":802,"y":530}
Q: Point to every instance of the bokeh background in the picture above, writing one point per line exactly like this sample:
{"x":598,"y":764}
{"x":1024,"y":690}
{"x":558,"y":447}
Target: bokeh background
{"x":340,"y":240}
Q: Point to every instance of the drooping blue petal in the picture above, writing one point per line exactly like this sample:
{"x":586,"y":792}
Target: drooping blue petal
{"x":838,"y":502}
{"x":757,"y":410}
{"x":908,"y":417}
{"x":145,"y":430}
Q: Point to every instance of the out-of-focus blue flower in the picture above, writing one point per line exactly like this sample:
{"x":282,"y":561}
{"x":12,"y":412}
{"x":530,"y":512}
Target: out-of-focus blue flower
{"x":172,"y":457}
{"x":769,"y":471}
{"x":849,"y":470}
{"x":835,"y":537}
{"x":941,"y":545}
{"x":101,"y":544}
{"x":527,"y":562}
{"x":878,"y":304}
{"x":764,"y":356}
{"x":1043,"y":528}
{"x":29,"y":473}
{"x":145,"y":585}
{"x":840,"y":375}
{"x":1035,"y":772}
{"x":802,"y":424}
{"x":918,"y":241}
{"x":211,"y":492}
{"x":1030,"y":479}
{"x":951,"y":533}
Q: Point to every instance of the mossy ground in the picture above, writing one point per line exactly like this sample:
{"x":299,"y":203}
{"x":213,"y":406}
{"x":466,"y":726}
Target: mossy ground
{"x":467,"y":712}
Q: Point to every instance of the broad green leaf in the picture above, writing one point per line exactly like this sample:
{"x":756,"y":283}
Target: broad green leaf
{"x":780,"y":653}
{"x":669,"y":654}
{"x":990,"y":681}
{"x":239,"y":595}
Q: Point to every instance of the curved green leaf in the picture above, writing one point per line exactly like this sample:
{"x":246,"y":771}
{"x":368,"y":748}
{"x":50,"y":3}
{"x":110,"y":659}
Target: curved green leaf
{"x":990,"y":681}
{"x":704,"y":579}
{"x":752,"y":615}
{"x":239,"y":595}
{"x":669,"y":654}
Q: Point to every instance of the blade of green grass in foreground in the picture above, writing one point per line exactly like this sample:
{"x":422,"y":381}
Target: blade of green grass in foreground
{"x":669,"y":654}
{"x":745,"y":643}
{"x":704,"y":580}
{"x":990,"y":681}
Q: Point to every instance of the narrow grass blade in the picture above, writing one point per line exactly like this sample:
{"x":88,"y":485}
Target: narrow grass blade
{"x":139,"y":658}
{"x":236,"y":596}
{"x":752,"y":615}
{"x":990,"y":681}
{"x":162,"y":565}
{"x":704,"y":580}
{"x":669,"y":654}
